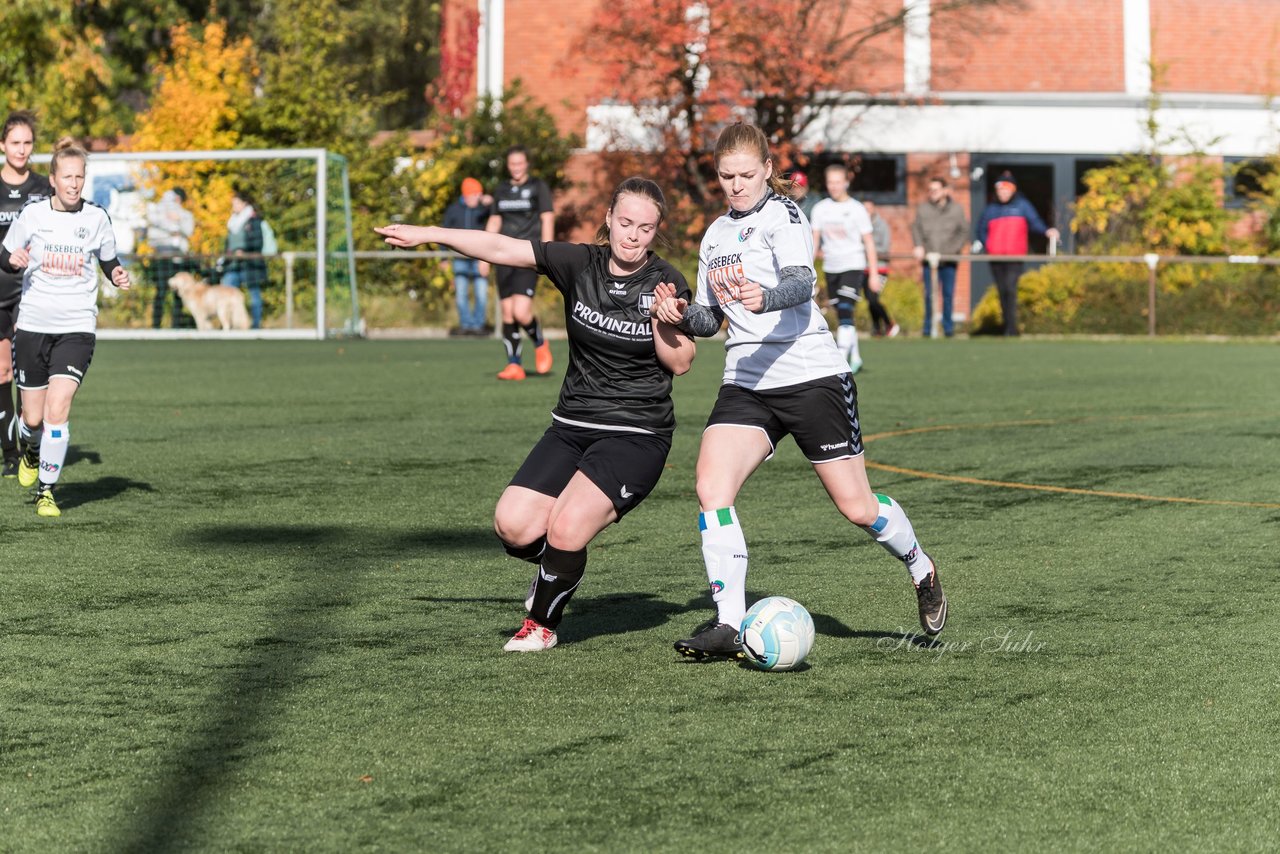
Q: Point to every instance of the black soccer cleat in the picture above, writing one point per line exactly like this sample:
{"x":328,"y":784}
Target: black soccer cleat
{"x":932,"y":602}
{"x":712,"y":640}
{"x":10,"y":468}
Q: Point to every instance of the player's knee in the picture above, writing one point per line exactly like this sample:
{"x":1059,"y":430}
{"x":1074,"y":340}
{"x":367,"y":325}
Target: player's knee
{"x":861,"y":511}
{"x":713,"y":495}
{"x":517,"y":532}
{"x":570,"y":533}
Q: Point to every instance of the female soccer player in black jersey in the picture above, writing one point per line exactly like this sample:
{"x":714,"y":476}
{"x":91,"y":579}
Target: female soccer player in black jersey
{"x":783,"y":374}
{"x":611,"y":428}
{"x":18,"y":185}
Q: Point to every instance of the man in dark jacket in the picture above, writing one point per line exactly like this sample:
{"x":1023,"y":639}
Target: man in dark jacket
{"x":1002,"y":230}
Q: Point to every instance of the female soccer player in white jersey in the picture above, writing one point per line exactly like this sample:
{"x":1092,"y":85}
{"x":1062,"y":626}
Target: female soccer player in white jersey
{"x":55,"y":243}
{"x":19,"y":184}
{"x":783,"y":374}
{"x":611,"y":428}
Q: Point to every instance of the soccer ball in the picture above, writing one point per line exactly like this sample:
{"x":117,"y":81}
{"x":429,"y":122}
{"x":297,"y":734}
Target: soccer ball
{"x":777,"y":633}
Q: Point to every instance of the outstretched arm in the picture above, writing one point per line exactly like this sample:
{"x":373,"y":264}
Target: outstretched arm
{"x":485,"y":245}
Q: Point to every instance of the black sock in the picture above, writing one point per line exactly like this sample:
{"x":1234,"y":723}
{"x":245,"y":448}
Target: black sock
{"x":511,"y":340}
{"x":558,"y":577}
{"x":531,"y":552}
{"x":8,"y":420}
{"x":534,"y":331}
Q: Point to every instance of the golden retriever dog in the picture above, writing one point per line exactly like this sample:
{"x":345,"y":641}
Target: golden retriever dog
{"x":205,"y":302}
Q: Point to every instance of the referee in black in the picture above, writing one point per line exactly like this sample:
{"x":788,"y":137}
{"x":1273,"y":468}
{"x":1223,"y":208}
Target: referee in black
{"x":521,"y":209}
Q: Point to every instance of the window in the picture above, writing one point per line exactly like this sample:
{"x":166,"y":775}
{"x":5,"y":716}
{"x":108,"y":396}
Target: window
{"x":880,"y":178}
{"x":1243,"y":178}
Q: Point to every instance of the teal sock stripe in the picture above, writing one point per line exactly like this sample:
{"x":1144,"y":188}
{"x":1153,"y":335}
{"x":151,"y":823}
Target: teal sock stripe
{"x":721,"y":518}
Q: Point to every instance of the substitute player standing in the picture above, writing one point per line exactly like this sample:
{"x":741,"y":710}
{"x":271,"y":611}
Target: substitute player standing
{"x":20,"y":184}
{"x":55,"y":243}
{"x":611,"y":429}
{"x":521,"y":209}
{"x":842,"y":237}
{"x":783,"y":374}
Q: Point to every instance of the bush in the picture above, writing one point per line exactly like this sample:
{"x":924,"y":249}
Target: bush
{"x":1191,"y":299}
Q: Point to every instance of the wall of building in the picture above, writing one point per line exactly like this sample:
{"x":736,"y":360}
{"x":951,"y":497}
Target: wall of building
{"x":1224,"y":46}
{"x":1047,"y":46}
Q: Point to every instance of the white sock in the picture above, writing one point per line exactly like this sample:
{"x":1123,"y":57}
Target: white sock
{"x":53,"y":452}
{"x":725,"y":551}
{"x":847,"y":341}
{"x":893,"y":531}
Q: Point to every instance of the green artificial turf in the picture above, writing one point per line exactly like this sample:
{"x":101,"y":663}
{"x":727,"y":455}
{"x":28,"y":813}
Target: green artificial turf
{"x":271,"y":616}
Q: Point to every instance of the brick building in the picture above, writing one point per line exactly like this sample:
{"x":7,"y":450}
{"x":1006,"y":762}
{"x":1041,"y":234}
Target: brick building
{"x":1047,"y":91}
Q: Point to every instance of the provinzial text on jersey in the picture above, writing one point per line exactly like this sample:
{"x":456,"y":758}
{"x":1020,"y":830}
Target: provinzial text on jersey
{"x":600,"y":320}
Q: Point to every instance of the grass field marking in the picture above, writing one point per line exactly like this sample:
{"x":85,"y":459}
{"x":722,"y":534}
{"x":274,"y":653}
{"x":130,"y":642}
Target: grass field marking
{"x":1041,"y":487}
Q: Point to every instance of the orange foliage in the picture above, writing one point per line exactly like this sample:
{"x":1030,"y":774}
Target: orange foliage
{"x":195,"y":107}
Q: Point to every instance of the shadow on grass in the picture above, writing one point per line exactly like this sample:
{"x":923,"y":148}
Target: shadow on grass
{"x":621,"y":613}
{"x":248,"y":695}
{"x":461,"y":539}
{"x":77,"y":454}
{"x":77,"y":493}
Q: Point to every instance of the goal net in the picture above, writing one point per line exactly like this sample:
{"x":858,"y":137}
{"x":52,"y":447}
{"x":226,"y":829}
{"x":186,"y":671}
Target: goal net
{"x":302,"y":287}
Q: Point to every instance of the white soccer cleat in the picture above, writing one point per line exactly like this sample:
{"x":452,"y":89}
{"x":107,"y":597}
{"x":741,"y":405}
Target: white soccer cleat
{"x":855,"y":363}
{"x":532,"y":637}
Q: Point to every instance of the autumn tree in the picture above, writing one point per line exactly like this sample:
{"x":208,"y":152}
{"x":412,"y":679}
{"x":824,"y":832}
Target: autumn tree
{"x":683,"y":70}
{"x":50,"y":62}
{"x":197,"y":105}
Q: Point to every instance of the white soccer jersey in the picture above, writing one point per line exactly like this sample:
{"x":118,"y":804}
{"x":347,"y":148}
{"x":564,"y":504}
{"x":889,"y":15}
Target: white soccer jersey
{"x":840,"y":226}
{"x":60,"y":284}
{"x":777,"y":348}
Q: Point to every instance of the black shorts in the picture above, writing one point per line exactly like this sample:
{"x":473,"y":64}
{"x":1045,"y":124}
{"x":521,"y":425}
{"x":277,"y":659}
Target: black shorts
{"x":626,"y":466}
{"x":41,"y":356}
{"x":515,"y":281}
{"x":821,"y":414}
{"x":8,"y":319}
{"x":847,"y":286}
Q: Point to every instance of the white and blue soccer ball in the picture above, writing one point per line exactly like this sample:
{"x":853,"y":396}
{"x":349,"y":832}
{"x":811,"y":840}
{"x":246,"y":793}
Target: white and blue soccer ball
{"x":777,"y":633}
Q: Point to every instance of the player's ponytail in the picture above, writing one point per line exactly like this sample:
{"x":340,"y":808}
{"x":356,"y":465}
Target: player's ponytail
{"x":645,"y":189}
{"x":741,"y":136}
{"x":19,"y":118}
{"x":64,"y":148}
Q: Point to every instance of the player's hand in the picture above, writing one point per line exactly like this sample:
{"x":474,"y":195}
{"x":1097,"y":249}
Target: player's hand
{"x":874,"y":282}
{"x":917,"y":252}
{"x":404,"y":236}
{"x":19,"y":258}
{"x":120,"y":278}
{"x":751,"y":295}
{"x":667,"y":307}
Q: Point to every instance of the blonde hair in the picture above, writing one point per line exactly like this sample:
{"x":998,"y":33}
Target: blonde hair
{"x":64,"y":148}
{"x":743,"y":137}
{"x":635,"y":186}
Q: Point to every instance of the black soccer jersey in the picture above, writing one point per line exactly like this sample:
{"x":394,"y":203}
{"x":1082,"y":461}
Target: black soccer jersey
{"x":521,"y":207}
{"x":614,"y":379}
{"x":12,"y":199}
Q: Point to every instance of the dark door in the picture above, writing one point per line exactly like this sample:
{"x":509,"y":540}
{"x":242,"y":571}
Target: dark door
{"x":1036,"y":180}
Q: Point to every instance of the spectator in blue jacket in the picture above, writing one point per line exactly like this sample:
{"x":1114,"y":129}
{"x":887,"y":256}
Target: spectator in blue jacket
{"x":1002,"y":230}
{"x":469,"y":281}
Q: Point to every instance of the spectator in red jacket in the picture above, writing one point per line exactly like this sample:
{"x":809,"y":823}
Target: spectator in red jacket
{"x":1002,"y":230}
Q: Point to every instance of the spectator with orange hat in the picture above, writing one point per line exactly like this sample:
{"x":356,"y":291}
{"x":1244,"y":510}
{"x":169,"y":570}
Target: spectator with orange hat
{"x":471,"y":288}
